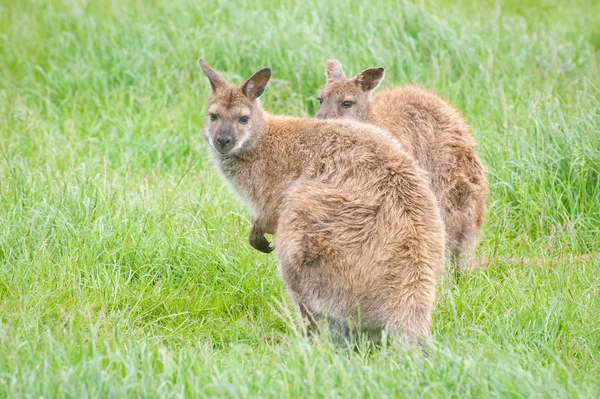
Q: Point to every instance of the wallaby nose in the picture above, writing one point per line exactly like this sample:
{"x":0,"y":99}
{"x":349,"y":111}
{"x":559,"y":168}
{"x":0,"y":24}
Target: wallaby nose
{"x":224,"y":140}
{"x":321,"y":113}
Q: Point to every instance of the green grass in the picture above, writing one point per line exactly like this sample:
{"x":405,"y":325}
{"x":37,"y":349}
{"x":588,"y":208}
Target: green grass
{"x":124,"y":267}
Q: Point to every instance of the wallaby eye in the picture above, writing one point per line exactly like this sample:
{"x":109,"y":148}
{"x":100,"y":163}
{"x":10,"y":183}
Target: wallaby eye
{"x":212,"y":116}
{"x":244,"y":120}
{"x":347,"y":104}
{"x":320,"y":100}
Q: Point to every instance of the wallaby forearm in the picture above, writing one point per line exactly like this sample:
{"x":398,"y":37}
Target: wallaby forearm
{"x":257,"y":237}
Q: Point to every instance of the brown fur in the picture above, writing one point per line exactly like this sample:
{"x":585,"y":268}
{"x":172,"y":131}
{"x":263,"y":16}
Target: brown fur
{"x":429,"y":129}
{"x":358,"y":234}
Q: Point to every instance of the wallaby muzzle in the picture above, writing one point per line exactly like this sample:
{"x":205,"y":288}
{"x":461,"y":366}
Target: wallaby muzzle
{"x":322,"y":113}
{"x":224,"y":139}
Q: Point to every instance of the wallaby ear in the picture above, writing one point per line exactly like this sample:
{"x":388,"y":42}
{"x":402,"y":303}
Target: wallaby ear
{"x":255,"y":86}
{"x":370,"y":78}
{"x":334,"y":70}
{"x":213,"y":77}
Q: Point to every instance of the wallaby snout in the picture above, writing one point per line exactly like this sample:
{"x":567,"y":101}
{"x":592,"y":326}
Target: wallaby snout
{"x":322,"y":113}
{"x":225,"y":138}
{"x":225,"y":142}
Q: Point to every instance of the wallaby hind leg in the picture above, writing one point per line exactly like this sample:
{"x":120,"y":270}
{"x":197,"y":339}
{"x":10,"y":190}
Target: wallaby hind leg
{"x":314,"y":237}
{"x":411,"y":319}
{"x":461,"y":239}
{"x":347,"y":332}
{"x":309,"y":321}
{"x":463,"y":212}
{"x":409,"y":300}
{"x":461,"y":252}
{"x":313,"y":323}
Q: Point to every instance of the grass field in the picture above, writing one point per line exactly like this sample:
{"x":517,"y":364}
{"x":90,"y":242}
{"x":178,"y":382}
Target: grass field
{"x":124,"y":264}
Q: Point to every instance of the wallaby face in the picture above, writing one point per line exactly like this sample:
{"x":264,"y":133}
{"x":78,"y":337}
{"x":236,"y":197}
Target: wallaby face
{"x":234,"y":121}
{"x":345,"y":98}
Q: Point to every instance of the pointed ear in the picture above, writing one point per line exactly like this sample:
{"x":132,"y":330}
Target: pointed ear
{"x":334,"y":70}
{"x":213,"y":77}
{"x":370,"y":78}
{"x":255,"y":86}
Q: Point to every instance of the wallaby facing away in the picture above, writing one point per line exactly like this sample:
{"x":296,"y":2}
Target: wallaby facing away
{"x":357,"y":231}
{"x":429,"y":129}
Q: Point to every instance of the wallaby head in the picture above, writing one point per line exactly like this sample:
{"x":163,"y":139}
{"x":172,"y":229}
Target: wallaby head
{"x":234,"y":122}
{"x":347,"y":98}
